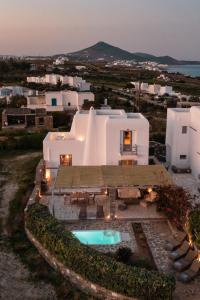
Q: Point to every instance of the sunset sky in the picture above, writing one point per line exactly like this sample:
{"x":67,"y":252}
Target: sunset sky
{"x":160,"y":27}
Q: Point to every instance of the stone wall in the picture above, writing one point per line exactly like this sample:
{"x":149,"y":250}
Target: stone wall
{"x":81,"y":283}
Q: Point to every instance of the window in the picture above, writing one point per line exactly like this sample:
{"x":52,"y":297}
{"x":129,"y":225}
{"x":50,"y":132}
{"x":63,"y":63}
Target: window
{"x":127,"y":162}
{"x":183,"y":156}
{"x":54,"y":102}
{"x":66,"y":160}
{"x":184,"y":129}
{"x":69,"y":103}
{"x":127,"y":140}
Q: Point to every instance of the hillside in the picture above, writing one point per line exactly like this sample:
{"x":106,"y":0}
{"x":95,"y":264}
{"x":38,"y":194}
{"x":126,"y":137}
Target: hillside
{"x":107,"y":52}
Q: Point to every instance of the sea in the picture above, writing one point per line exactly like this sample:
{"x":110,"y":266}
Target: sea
{"x":191,"y":70}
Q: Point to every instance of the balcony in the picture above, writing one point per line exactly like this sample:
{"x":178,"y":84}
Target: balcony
{"x":130,"y":150}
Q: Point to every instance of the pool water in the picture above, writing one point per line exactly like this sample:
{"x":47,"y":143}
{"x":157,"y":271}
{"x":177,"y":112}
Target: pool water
{"x":98,"y":237}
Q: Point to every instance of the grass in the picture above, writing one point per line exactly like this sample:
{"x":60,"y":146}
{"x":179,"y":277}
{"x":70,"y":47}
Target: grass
{"x":21,"y":246}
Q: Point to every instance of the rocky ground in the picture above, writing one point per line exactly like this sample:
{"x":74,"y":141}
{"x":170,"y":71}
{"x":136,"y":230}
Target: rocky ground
{"x":15,"y":283}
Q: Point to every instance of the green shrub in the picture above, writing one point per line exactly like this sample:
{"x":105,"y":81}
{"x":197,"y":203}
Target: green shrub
{"x":175,"y":202}
{"x":123,"y":254}
{"x":194,"y":226}
{"x":91,"y":264}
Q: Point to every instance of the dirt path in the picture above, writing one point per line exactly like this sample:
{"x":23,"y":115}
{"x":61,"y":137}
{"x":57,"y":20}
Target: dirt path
{"x":14,"y":277}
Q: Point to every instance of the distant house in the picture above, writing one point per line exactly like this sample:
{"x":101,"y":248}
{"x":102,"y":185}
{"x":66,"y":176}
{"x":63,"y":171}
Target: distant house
{"x":183,"y":138}
{"x":100,"y":137}
{"x":75,"y":82}
{"x":154,"y":89}
{"x":23,"y":118}
{"x":9,"y":91}
{"x":60,"y":101}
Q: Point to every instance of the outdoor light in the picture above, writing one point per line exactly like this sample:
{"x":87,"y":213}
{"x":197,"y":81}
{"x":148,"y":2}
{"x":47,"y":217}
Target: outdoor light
{"x":108,"y":217}
{"x":81,"y":139}
{"x":190,"y":241}
{"x":149,"y":190}
{"x":47,"y":175}
{"x":198,"y":257}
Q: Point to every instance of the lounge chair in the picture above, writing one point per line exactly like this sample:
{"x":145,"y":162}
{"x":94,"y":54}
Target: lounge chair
{"x":184,"y":263}
{"x":173,"y":242}
{"x":180,"y":252}
{"x":191,"y":273}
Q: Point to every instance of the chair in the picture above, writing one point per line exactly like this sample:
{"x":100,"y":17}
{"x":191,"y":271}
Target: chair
{"x":191,"y":273}
{"x":180,"y":252}
{"x":100,"y":212}
{"x":83,"y":212}
{"x":184,"y":263}
{"x":173,"y":242}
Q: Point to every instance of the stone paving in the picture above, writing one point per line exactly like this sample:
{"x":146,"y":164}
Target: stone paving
{"x":64,"y":211}
{"x":121,"y":226}
{"x":156,"y":234}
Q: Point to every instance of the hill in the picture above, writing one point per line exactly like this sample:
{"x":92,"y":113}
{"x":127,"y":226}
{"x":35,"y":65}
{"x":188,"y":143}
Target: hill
{"x":107,"y":52}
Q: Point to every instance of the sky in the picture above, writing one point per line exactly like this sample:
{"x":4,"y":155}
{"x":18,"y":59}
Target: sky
{"x":45,"y":27}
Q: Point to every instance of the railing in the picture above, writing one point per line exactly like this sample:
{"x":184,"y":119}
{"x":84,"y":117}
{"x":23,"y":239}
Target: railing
{"x":132,"y":151}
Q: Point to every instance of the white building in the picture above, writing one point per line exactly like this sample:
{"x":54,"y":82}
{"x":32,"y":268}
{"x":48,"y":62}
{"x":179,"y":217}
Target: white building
{"x":100,"y":137}
{"x":166,"y":90}
{"x":183,"y":138}
{"x":60,"y":60}
{"x":60,"y":101}
{"x":75,"y":82}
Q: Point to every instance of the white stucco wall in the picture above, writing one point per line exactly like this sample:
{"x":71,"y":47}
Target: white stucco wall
{"x":184,"y":144}
{"x":94,"y":139}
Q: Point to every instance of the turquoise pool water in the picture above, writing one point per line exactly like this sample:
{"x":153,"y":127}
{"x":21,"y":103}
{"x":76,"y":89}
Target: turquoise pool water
{"x":98,"y":237}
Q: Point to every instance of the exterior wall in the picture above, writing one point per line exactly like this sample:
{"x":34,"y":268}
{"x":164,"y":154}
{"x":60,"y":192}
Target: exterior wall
{"x":166,"y":90}
{"x":195,"y":141}
{"x":85,"y":96}
{"x":184,"y":144}
{"x":178,"y":143}
{"x":94,"y":139}
{"x":48,"y":122}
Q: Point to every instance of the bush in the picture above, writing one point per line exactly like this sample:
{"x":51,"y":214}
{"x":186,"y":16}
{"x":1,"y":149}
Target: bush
{"x":91,"y":264}
{"x":123,"y":254}
{"x":194,"y":226}
{"x":175,"y":202}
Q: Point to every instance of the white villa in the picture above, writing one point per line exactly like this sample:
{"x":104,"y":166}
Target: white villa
{"x":154,"y":89}
{"x":60,"y":101}
{"x":183,"y":138}
{"x":75,"y":82}
{"x":99,"y":137}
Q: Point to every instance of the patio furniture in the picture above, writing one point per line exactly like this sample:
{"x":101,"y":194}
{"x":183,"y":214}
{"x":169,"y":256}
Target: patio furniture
{"x":129,"y":195}
{"x":184,"y":263}
{"x":191,"y":273}
{"x":151,"y":197}
{"x":83,"y":212}
{"x":100,"y":212}
{"x":180,"y":252}
{"x":122,"y":206}
{"x":100,"y":199}
{"x":173,"y":242}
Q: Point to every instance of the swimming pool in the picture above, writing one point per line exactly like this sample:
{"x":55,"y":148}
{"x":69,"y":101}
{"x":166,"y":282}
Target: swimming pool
{"x":98,"y":237}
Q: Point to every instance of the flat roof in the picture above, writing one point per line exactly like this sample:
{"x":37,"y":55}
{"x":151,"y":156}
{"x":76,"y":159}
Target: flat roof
{"x":111,"y":176}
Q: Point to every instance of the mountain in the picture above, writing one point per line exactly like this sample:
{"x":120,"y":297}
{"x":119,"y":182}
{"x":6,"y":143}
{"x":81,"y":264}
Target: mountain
{"x":107,"y":52}
{"x":102,"y":50}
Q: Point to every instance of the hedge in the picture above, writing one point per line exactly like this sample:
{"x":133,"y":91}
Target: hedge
{"x":93,"y":265}
{"x":194,"y":226}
